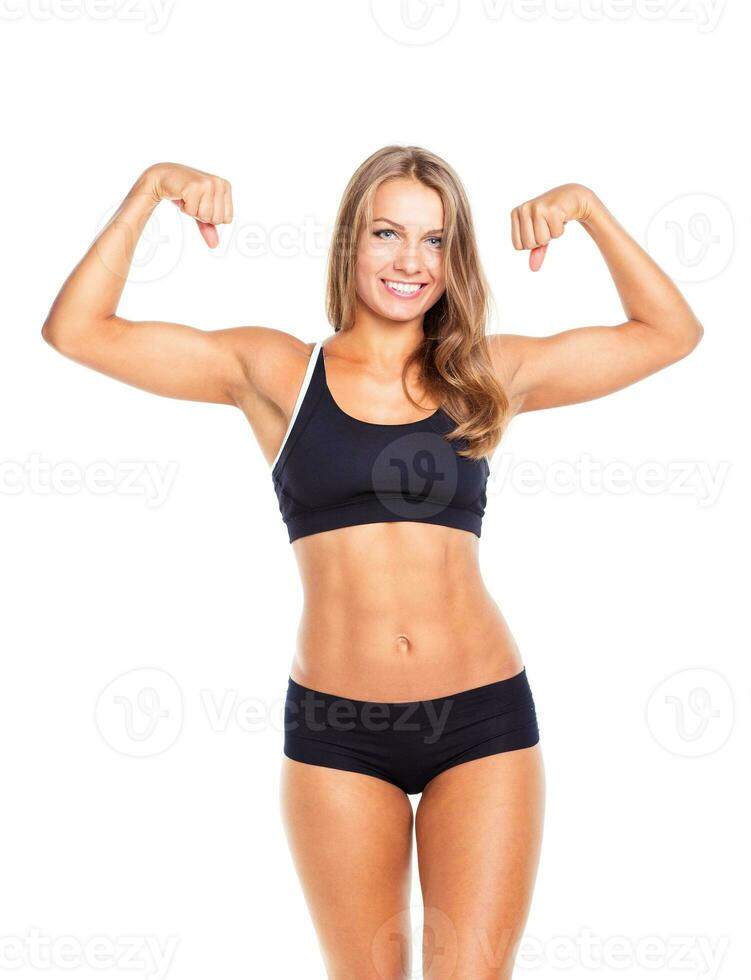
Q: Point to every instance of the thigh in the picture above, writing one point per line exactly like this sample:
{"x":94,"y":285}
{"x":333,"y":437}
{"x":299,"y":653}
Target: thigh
{"x":478,"y":828}
{"x":350,"y":836}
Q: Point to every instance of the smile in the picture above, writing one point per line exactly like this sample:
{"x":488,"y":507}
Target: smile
{"x":404,"y":290}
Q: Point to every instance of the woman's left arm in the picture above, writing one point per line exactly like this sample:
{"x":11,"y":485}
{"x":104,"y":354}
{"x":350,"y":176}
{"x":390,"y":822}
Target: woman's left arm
{"x":588,"y":362}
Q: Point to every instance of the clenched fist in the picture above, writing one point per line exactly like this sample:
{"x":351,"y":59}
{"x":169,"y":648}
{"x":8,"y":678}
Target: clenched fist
{"x":202,"y":196}
{"x":536,"y":222}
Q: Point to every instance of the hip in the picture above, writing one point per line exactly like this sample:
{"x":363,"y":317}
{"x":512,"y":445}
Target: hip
{"x":409,"y":743}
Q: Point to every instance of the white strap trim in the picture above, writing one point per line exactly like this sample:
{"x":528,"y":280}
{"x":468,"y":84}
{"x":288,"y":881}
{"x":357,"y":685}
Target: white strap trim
{"x":300,"y":396}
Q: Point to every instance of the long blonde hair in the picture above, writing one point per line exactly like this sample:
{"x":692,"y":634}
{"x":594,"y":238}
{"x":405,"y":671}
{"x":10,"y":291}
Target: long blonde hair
{"x":453,"y":356}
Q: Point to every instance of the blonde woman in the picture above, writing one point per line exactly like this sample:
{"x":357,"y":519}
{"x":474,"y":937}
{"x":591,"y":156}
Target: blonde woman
{"x":406,"y":679}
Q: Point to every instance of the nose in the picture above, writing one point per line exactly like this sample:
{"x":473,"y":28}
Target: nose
{"x":407,"y":260}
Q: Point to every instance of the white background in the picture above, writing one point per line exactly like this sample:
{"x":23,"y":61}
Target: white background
{"x":174,"y":836}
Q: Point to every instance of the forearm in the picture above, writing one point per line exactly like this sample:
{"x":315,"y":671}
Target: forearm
{"x":92,"y":291}
{"x":648,"y":295}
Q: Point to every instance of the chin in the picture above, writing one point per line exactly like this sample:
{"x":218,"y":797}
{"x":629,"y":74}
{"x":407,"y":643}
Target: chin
{"x":399,"y":315}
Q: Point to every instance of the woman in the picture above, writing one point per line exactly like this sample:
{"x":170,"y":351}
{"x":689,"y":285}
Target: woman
{"x":406,"y":678}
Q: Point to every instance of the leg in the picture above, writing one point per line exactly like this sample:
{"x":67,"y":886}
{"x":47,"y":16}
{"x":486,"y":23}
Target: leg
{"x":350,"y":836}
{"x":479,"y":830}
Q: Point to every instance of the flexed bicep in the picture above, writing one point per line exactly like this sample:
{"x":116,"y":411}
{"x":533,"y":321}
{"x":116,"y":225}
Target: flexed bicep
{"x":588,"y":362}
{"x":165,"y":358}
{"x":580,"y":364}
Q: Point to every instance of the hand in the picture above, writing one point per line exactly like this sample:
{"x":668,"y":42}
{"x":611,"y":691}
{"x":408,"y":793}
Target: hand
{"x":534,"y":223}
{"x":202,"y":196}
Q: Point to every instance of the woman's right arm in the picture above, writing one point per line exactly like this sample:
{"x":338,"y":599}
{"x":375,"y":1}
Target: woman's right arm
{"x":164,"y":358}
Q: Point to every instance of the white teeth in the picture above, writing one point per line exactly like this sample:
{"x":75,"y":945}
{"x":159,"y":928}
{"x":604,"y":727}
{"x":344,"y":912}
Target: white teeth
{"x":401,"y":287}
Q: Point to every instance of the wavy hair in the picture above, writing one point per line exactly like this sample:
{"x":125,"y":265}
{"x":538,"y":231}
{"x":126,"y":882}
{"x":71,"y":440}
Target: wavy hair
{"x":453,"y":357}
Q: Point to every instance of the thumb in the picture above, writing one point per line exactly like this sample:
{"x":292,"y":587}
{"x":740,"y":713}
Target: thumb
{"x":536,"y":257}
{"x":209,"y":233}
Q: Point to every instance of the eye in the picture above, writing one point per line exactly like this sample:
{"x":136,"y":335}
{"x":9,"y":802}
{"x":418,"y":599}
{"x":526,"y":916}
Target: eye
{"x":435,"y":238}
{"x":384,"y":231}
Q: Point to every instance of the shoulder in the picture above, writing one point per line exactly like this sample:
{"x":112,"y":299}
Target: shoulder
{"x":273,"y":361}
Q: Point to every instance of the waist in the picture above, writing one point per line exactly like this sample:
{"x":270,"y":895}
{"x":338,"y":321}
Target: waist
{"x":406,"y":652}
{"x":398,"y":610}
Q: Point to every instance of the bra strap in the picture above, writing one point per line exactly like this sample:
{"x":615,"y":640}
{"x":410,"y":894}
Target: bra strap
{"x":300,"y":396}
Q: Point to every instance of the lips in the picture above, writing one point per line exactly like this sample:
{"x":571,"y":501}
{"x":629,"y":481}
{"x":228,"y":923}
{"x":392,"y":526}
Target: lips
{"x":409,"y":293}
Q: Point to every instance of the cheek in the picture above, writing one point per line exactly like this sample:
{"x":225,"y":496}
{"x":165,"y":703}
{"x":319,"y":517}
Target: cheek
{"x":437,"y":271}
{"x":369,"y":261}
{"x":363,"y":277}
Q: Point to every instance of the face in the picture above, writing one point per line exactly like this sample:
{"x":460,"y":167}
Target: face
{"x":400,"y":273}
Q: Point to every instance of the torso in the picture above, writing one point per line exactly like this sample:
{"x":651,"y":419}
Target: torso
{"x":420,"y":583}
{"x":394,"y":611}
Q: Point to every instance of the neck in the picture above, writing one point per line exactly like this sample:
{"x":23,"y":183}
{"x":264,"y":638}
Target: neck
{"x":381,"y":341}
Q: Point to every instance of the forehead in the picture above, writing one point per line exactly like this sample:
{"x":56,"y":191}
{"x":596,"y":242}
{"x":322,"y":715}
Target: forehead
{"x":408,"y":202}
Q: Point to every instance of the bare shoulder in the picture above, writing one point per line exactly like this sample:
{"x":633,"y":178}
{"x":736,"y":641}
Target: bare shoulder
{"x":273,"y":363}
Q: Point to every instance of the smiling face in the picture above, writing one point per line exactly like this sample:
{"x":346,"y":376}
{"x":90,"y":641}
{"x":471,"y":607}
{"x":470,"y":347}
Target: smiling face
{"x":400,"y":269}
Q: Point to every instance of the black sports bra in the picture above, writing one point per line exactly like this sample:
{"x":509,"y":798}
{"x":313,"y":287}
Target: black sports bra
{"x":333,"y":470}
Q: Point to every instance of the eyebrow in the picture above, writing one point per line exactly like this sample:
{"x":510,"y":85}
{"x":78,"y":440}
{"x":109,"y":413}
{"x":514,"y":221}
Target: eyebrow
{"x":396,"y":224}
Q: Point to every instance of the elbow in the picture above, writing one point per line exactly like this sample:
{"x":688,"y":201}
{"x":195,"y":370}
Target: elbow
{"x":693,"y":337}
{"x":50,"y":334}
{"x":686,"y":339}
{"x":58,"y":335}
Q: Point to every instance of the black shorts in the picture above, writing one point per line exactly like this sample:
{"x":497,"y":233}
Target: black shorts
{"x":407,"y":743}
